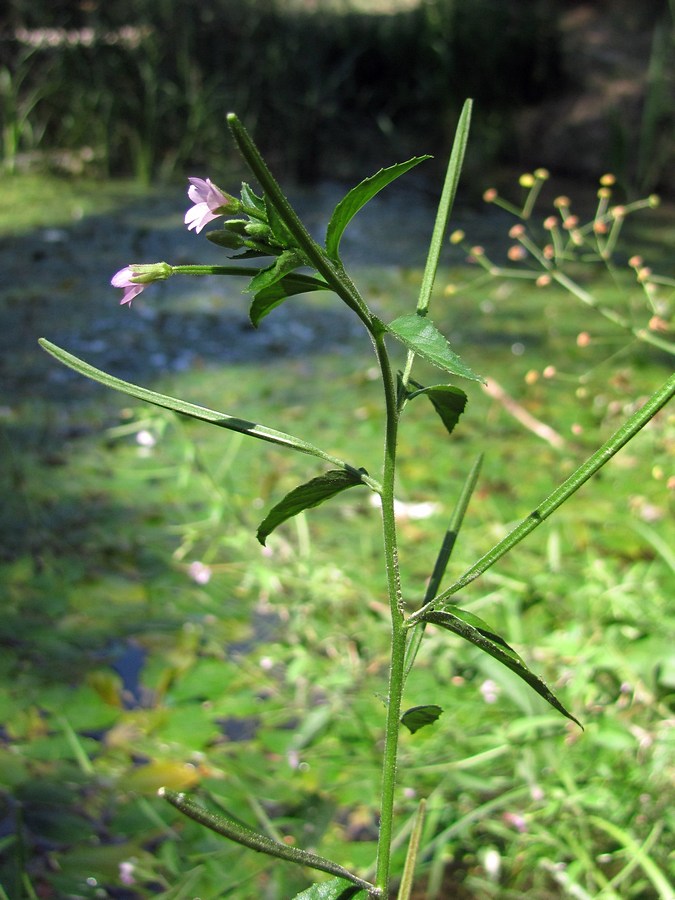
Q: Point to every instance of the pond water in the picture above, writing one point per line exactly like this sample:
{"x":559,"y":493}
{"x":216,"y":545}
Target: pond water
{"x":55,"y":283}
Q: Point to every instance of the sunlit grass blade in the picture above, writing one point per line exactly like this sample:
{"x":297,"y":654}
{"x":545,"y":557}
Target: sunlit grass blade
{"x":663,"y":886}
{"x":563,"y":492}
{"x":79,"y":752}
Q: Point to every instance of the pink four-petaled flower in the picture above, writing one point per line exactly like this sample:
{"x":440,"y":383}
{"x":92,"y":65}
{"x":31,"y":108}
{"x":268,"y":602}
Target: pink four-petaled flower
{"x":122,"y":279}
{"x":209,"y":203}
{"x":133,"y":279}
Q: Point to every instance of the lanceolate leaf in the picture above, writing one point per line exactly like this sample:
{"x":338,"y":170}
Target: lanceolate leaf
{"x":235,"y":831}
{"x":335,"y":889}
{"x":288,"y":286}
{"x":448,"y":401}
{"x":420,"y":716}
{"x":357,"y":198}
{"x":282,"y":265}
{"x":306,"y":496}
{"x":203,"y":413}
{"x":477,"y":632}
{"x":420,"y":335}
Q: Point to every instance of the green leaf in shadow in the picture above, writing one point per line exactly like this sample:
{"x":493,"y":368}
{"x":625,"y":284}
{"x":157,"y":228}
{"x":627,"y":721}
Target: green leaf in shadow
{"x":420,"y":335}
{"x":250,"y":199}
{"x":420,"y":716}
{"x":357,"y":198}
{"x":448,"y":401}
{"x":306,"y":496}
{"x":275,"y":294}
{"x":477,"y":632}
{"x":282,"y":265}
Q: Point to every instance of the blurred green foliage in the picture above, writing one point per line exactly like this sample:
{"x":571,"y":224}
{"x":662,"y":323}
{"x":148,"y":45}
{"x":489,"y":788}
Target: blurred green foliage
{"x":146,"y":85}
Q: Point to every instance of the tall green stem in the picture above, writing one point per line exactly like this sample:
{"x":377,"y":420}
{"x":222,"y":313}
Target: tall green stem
{"x":334,"y":274}
{"x":398,"y":631}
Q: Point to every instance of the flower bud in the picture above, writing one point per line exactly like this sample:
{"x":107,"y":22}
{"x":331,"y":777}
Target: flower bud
{"x":147,"y":273}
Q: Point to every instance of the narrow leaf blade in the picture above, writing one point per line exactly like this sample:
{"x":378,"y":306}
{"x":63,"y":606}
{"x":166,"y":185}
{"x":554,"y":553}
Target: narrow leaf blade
{"x":335,"y":889}
{"x":203,"y":413}
{"x":307,"y":496}
{"x":275,"y":294}
{"x":254,"y":840}
{"x":477,"y":632}
{"x":445,"y":206}
{"x":283,"y":265}
{"x":420,"y":335}
{"x":357,"y":198}
{"x":420,"y":716}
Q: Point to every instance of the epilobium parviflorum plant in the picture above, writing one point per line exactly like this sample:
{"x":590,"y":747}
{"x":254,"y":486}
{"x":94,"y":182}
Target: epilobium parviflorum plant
{"x":261,"y":223}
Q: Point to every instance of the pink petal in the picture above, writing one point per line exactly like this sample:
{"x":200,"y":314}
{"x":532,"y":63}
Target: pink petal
{"x":133,"y":290}
{"x":198,"y":216}
{"x":122,"y":278}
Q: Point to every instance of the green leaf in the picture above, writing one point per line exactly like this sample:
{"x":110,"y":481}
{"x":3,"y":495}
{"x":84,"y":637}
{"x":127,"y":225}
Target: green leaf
{"x":335,"y":889}
{"x":420,"y":335}
{"x":357,"y":198}
{"x":477,"y":632}
{"x":250,"y":199}
{"x":448,"y":401}
{"x":445,"y":207}
{"x":420,"y":716}
{"x":242,"y":834}
{"x":288,"y":286}
{"x":306,"y":496}
{"x":282,"y":265}
{"x":204,"y":414}
{"x":279,"y":228}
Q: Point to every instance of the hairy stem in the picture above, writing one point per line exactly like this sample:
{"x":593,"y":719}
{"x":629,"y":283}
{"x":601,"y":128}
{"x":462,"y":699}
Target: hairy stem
{"x":398,"y":630}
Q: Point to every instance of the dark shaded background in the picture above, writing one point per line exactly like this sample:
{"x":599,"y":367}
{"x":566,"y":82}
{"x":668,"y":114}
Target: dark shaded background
{"x":143,"y":87}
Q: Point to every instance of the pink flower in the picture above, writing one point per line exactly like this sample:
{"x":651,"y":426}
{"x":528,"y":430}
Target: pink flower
{"x":122,"y":279}
{"x":209,"y":203}
{"x":133,"y":279}
{"x":127,"y":873}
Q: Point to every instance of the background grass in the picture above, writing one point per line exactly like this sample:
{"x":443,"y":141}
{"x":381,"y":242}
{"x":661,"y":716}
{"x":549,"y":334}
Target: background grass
{"x":261,"y":689}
